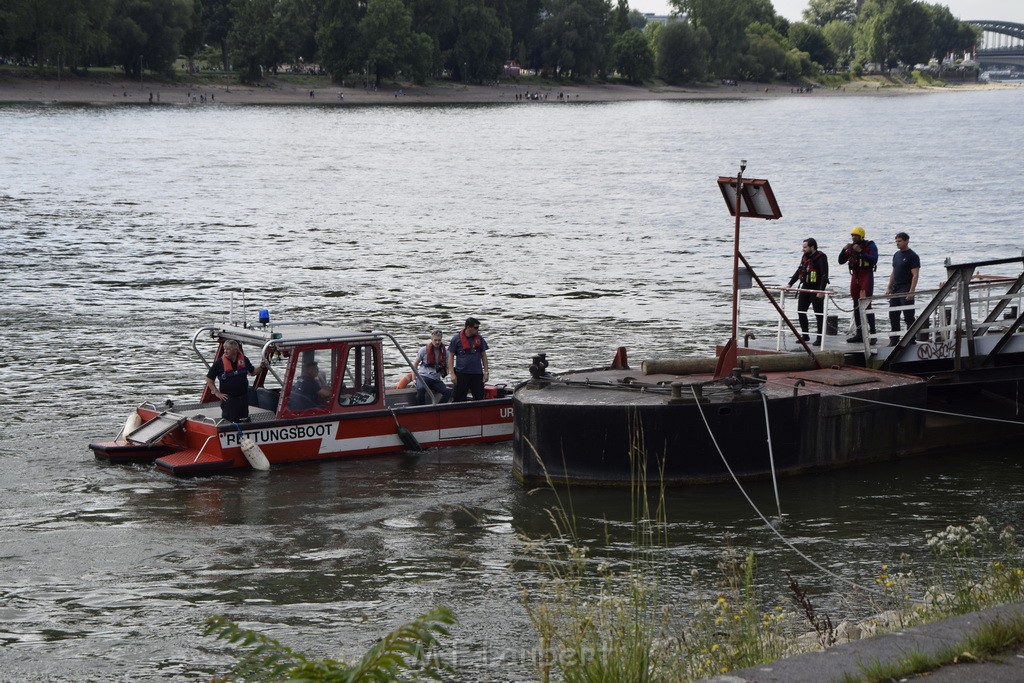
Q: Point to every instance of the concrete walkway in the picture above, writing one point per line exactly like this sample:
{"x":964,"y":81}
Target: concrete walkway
{"x":845,"y":662}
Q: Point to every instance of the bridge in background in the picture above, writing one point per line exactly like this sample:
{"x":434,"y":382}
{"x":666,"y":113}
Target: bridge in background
{"x":1002,"y":44}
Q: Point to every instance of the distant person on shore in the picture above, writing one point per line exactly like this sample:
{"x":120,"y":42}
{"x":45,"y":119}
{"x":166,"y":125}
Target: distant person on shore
{"x":906,"y":267}
{"x":431,"y":365}
{"x":812,"y":274}
{"x":231,"y":369}
{"x":467,"y":362}
{"x":862,"y":256}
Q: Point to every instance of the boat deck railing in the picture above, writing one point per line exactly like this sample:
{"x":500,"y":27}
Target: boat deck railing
{"x":961,"y":310}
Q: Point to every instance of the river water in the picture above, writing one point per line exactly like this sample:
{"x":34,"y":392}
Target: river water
{"x":566,"y":228}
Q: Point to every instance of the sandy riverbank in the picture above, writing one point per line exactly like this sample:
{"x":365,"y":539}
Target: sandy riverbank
{"x":111,"y":90}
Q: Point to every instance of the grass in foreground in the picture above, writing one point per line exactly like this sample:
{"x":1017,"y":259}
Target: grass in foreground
{"x":986,"y":643}
{"x":599,"y":623}
{"x":403,"y":654}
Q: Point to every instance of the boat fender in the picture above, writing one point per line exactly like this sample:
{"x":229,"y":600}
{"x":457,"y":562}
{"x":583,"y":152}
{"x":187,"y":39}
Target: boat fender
{"x":406,"y":436}
{"x":404,"y":382}
{"x":130,"y":425}
{"x":254,"y":454}
{"x":409,"y":439}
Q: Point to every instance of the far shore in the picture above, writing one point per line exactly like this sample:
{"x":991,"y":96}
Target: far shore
{"x":106,"y":89}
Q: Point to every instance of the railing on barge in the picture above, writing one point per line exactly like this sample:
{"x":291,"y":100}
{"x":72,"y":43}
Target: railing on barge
{"x":969,"y":305}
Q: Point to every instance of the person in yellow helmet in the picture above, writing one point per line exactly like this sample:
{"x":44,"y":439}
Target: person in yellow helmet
{"x":861,"y":255}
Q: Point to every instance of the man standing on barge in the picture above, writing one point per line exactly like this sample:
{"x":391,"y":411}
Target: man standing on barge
{"x":906,"y":266}
{"x":467,"y":362}
{"x":862,"y":256}
{"x":812,"y":273}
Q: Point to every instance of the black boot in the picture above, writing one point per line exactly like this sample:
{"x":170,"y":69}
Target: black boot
{"x":857,"y":338}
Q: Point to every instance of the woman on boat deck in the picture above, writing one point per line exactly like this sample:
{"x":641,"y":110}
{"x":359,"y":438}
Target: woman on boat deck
{"x":812,"y":273}
{"x":467,"y":361}
{"x":431,"y":365}
{"x":231,"y":369}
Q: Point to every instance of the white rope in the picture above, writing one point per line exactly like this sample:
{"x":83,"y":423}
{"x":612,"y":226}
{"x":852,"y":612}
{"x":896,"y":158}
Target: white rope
{"x":771,"y":453}
{"x":1019,"y":423}
{"x":764,"y":519}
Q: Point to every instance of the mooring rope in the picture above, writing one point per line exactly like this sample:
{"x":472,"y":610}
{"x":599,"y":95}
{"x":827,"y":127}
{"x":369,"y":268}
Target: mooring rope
{"x":771,"y":452}
{"x":764,"y":519}
{"x":1018,"y":423}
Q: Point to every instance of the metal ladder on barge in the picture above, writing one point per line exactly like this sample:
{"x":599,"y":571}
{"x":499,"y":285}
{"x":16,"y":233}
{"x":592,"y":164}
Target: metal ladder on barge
{"x":964,"y":328}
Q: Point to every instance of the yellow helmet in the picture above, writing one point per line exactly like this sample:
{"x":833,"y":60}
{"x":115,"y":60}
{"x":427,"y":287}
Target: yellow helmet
{"x":858,"y":231}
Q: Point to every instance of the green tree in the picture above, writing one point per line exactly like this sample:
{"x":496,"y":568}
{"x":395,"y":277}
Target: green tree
{"x":218,"y":18}
{"x":523,"y":19}
{"x":765,"y":56}
{"x":483,"y":43}
{"x":387,"y":44}
{"x":336,"y":37}
{"x":620,"y":18}
{"x":891,"y":31}
{"x":681,"y":51}
{"x":148,"y":33}
{"x":909,"y":31}
{"x":726,"y":22}
{"x":255,"y":45}
{"x":839,"y":35}
{"x":438,"y":19}
{"x":811,"y":39}
{"x":297,"y":22}
{"x":651,"y":31}
{"x":637,"y":19}
{"x":634,"y":57}
{"x":192,"y":41}
{"x":573,"y":37}
{"x":55,"y":31}
{"x":949,"y":34}
{"x":798,"y":63}
{"x":821,"y":12}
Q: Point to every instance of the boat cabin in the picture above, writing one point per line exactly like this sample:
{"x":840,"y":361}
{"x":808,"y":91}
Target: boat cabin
{"x":310,"y":369}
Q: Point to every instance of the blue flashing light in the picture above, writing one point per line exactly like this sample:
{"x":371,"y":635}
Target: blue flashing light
{"x":264,"y":316}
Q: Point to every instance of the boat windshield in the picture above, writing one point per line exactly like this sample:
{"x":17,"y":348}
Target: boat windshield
{"x":361,"y":381}
{"x":313,"y":385}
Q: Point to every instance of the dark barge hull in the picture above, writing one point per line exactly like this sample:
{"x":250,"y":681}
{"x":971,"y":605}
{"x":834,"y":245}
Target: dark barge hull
{"x":572,"y":434}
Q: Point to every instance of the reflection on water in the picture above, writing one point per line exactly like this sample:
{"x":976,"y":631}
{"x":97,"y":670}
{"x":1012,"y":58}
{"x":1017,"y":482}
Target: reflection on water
{"x":570,"y":230}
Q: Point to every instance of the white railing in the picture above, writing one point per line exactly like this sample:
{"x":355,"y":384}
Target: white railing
{"x":767,"y":323}
{"x":761,"y":320}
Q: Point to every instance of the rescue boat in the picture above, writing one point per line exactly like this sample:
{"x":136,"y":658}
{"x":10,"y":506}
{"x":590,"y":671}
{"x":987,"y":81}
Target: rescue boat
{"x":360,"y":415}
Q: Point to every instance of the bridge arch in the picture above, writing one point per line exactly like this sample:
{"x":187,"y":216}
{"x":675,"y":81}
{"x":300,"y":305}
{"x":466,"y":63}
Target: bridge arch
{"x":1002,"y":43}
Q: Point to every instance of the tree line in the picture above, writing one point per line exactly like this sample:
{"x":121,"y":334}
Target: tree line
{"x":473,"y":40}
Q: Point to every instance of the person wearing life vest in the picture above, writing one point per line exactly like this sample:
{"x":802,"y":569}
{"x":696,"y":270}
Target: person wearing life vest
{"x":812,"y":274}
{"x":431,"y":365}
{"x":862,"y":256}
{"x":231,"y":370}
{"x":467,"y":362}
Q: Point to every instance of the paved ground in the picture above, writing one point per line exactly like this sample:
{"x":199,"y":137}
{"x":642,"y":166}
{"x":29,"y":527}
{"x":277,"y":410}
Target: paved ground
{"x":846,"y":661}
